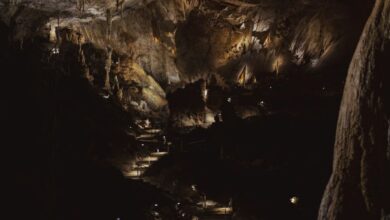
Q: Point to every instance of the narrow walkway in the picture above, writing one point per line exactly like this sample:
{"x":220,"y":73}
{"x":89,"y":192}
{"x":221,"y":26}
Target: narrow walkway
{"x":140,"y":165}
{"x":203,"y":209}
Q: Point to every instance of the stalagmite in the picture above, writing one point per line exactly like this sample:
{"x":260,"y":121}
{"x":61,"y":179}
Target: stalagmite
{"x":119,"y":94}
{"x":359,"y":185}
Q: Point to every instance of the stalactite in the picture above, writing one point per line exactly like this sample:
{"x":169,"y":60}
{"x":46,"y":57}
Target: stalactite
{"x":108,"y":64}
{"x":81,"y":5}
{"x":13,"y":2}
{"x":121,"y":7}
{"x":109,"y":23}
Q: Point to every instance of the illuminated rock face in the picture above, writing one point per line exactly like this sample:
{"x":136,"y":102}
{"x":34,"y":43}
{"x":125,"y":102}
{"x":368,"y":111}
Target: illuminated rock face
{"x":148,"y":48}
{"x":138,"y":89}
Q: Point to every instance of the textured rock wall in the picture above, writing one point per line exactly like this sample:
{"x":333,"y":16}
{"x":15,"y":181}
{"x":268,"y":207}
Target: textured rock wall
{"x":358,"y":187}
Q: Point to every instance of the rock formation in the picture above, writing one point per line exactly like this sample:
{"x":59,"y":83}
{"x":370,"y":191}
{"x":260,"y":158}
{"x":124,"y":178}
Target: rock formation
{"x":359,"y":185}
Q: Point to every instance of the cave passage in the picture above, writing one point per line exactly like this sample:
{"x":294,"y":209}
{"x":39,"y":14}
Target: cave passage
{"x":193,"y":109}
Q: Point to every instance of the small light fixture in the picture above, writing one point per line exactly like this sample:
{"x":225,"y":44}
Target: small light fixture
{"x":294,"y":200}
{"x":55,"y":50}
{"x":261,"y":103}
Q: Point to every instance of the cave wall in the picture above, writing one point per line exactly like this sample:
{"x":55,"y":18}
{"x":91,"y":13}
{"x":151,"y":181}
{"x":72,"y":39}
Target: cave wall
{"x":358,"y":187}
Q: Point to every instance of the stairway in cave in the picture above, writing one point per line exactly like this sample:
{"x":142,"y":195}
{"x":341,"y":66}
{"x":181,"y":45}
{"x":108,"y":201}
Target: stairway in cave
{"x":141,"y":164}
{"x":203,"y":208}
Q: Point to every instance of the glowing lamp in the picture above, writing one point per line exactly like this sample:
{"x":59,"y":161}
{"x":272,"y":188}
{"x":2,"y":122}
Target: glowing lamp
{"x":294,"y":200}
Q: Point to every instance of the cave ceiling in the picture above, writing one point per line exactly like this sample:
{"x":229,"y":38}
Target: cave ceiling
{"x":148,"y":48}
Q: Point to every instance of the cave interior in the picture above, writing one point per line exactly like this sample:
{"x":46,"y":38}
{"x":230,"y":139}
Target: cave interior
{"x":174,"y":109}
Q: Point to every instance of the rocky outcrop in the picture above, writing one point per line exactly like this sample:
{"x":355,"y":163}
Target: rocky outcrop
{"x":138,"y":89}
